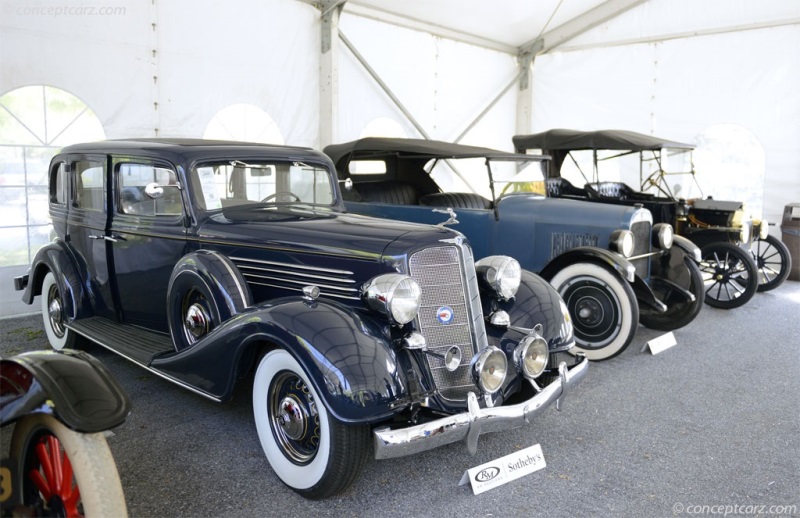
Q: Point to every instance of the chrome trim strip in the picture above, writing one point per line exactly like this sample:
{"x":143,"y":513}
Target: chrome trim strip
{"x":468,"y":426}
{"x":303,"y":274}
{"x":337,"y":295}
{"x":304,"y":283}
{"x":297,"y":266}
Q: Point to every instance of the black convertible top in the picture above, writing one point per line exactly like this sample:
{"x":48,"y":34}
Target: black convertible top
{"x":565,"y":139}
{"x":414,"y":148}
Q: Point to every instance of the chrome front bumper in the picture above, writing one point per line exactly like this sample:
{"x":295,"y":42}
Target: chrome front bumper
{"x":471,"y":424}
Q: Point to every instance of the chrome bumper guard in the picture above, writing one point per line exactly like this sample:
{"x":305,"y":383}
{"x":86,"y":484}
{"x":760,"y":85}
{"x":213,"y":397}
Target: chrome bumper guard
{"x":471,"y":424}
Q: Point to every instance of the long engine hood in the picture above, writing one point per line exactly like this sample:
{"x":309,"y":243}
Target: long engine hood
{"x":330,"y":233}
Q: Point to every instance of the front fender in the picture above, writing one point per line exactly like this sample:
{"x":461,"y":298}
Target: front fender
{"x":347,"y":356}
{"x":689,"y":248}
{"x":536,"y":302}
{"x":590,"y":254}
{"x":57,"y":258}
{"x":70,"y":385}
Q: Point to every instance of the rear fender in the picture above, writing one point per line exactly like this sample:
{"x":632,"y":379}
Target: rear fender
{"x":590,"y":254}
{"x":56,"y":257}
{"x":70,"y":385}
{"x":347,"y":356}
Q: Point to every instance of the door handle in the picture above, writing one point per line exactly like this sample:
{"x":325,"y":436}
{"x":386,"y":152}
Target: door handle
{"x":113,"y":239}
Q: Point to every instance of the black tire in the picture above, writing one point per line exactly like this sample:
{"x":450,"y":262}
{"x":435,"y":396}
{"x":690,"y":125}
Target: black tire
{"x":310,"y":451}
{"x":773,"y":262}
{"x":205,"y":289}
{"x":730,"y":275}
{"x":39,"y":437}
{"x":679,"y":312}
{"x":54,"y":317}
{"x":603,"y":306}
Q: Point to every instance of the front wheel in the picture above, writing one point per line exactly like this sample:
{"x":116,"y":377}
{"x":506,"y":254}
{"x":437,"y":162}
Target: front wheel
{"x":63,"y":472}
{"x":730,"y":275}
{"x":679,"y":310}
{"x":603,"y":307}
{"x":310,"y":451}
{"x":773,"y":261}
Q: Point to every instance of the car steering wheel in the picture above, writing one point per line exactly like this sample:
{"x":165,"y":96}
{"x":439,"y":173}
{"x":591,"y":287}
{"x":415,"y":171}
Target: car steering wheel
{"x":281,"y":193}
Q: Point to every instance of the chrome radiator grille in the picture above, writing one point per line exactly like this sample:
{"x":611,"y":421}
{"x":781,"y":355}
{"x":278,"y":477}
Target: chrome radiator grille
{"x":641,"y":237}
{"x":449,"y":284}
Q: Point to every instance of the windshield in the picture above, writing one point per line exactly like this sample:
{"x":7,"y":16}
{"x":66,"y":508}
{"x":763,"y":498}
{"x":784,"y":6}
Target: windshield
{"x":230,"y":183}
{"x":471,"y":175}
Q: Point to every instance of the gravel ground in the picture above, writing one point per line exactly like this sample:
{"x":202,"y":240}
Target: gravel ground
{"x":713,"y":421}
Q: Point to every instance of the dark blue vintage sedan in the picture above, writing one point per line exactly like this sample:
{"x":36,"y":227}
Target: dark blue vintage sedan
{"x":612,"y":266}
{"x":212,"y":262}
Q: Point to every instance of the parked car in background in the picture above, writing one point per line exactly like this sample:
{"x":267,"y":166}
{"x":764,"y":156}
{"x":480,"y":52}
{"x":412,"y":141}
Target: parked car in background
{"x":611,"y":265}
{"x":739,"y":255}
{"x":209,"y":262}
{"x":58,"y":462}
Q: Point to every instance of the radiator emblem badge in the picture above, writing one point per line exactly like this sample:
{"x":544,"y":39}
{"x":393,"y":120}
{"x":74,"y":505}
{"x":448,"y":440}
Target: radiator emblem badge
{"x":444,"y":314}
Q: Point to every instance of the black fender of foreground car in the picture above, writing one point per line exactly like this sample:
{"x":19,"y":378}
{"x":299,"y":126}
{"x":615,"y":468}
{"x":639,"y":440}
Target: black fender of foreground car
{"x":688,"y":247}
{"x":56,"y":257}
{"x":71,"y":385}
{"x":348,"y":357}
{"x":592,"y":254}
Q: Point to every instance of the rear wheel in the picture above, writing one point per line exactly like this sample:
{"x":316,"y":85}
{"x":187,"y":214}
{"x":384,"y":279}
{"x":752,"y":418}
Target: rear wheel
{"x":54,"y":317}
{"x":65,"y":473}
{"x":773,"y":261}
{"x":310,"y":451}
{"x":730,"y":275}
{"x":603,"y":306}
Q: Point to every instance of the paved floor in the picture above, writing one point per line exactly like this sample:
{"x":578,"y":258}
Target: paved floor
{"x":713,"y":421}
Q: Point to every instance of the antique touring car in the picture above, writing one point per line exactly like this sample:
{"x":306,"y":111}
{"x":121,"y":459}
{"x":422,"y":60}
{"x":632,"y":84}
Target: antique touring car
{"x":601,"y":259}
{"x":739,"y":255}
{"x":206,"y":261}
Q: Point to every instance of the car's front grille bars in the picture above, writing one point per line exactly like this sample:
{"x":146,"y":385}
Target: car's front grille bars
{"x":641,"y":236}
{"x":450,"y":314}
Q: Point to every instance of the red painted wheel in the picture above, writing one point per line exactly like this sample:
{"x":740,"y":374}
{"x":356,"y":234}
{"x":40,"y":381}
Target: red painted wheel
{"x":63,"y":472}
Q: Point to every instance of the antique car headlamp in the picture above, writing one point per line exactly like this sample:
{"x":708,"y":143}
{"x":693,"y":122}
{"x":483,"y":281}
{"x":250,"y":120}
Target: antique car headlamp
{"x":396,"y":296}
{"x":501,"y":273}
{"x":763,"y":229}
{"x":744,"y":233}
{"x":489,"y":369}
{"x":530,"y":356}
{"x":663,"y":235}
{"x":622,"y":242}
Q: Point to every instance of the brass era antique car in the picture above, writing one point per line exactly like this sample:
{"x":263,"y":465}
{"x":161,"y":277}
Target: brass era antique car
{"x":739,"y":255}
{"x":208,"y":263}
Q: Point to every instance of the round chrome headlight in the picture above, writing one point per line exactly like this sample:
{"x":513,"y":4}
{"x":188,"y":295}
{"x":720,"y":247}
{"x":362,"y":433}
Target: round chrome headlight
{"x":663,"y":235}
{"x":530,"y":356}
{"x":489,"y":369}
{"x":501,"y":273}
{"x":744,"y":233}
{"x":396,"y":296}
{"x":763,"y":229}
{"x":622,"y":242}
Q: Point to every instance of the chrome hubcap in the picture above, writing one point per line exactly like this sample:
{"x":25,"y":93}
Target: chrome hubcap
{"x":292,"y":418}
{"x":196,"y":322}
{"x":55,"y":312}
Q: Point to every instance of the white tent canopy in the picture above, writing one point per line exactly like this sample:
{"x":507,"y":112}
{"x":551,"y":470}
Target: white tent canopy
{"x":311,"y":73}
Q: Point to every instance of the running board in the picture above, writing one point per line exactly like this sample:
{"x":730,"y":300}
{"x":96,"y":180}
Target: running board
{"x":134,"y":343}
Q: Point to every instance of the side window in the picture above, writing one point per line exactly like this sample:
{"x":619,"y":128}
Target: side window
{"x":89,"y":176}
{"x":367,"y":167}
{"x":133,"y":180}
{"x":59,"y":184}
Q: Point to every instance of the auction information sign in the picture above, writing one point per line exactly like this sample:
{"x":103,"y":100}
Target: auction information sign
{"x":505,"y":469}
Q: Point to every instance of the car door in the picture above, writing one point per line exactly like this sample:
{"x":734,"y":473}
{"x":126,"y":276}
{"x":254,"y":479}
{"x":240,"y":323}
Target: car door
{"x":87,"y":228}
{"x":147,"y":237}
